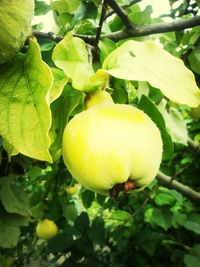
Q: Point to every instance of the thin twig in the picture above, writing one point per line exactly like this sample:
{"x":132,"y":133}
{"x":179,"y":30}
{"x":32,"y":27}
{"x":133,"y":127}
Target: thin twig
{"x":102,"y":18}
{"x":120,"y":12}
{"x":186,"y":191}
{"x":133,"y":2}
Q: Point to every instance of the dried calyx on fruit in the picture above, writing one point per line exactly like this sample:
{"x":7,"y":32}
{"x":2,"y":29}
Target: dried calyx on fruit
{"x":110,"y":144}
{"x":15,"y":23}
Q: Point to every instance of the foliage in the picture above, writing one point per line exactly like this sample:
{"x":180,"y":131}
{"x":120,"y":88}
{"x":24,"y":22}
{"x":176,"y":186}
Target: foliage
{"x":45,"y":86}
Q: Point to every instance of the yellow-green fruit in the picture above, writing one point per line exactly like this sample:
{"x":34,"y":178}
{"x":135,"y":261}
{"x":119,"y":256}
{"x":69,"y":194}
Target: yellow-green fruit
{"x":46,"y":229}
{"x":111,"y":143}
{"x":8,"y":261}
{"x":72,"y":189}
{"x":15,"y":22}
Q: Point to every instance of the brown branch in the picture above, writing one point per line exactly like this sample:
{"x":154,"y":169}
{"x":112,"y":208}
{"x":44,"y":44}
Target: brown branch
{"x":120,"y":12}
{"x":194,"y":145}
{"x":133,"y":2}
{"x":186,"y":191}
{"x":101,"y":21}
{"x":178,"y":25}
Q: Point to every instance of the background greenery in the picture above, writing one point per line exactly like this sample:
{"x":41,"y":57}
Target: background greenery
{"x":160,"y":226}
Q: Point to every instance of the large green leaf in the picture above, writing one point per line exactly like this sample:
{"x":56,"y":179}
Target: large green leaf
{"x":10,"y":228}
{"x":61,"y":110}
{"x":72,"y":57}
{"x":25,"y":114}
{"x":146,"y":61}
{"x":13,"y":197}
{"x":175,"y":123}
{"x":150,"y":109}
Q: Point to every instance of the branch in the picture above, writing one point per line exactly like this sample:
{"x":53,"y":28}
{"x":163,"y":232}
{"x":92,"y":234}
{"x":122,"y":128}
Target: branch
{"x":120,"y":12}
{"x":133,"y":2}
{"x":139,"y":31}
{"x":186,"y":191}
{"x":47,"y":35}
{"x":194,"y":145}
{"x":99,"y":28}
{"x":178,"y":25}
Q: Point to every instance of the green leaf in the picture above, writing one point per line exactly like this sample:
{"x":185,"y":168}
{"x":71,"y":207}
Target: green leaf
{"x":106,"y":46}
{"x":9,"y":235}
{"x":61,"y":110}
{"x":70,"y":212}
{"x":151,"y":110}
{"x":41,"y":8}
{"x":10,"y":228}
{"x":72,"y":57}
{"x":193,"y":223}
{"x":82,"y":222}
{"x":175,"y":123}
{"x":194,"y":60}
{"x":25,"y":114}
{"x":191,"y":261}
{"x":164,"y":199}
{"x":65,"y":6}
{"x":87,"y":198}
{"x":59,"y":243}
{"x":158,"y":217}
{"x":145,"y":61}
{"x":13,"y":198}
{"x":97,"y":232}
{"x":60,"y":80}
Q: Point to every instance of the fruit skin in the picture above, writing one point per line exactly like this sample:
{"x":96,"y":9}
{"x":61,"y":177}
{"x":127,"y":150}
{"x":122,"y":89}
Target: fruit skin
{"x":72,"y":189}
{"x":8,"y":261}
{"x":111,"y":143}
{"x":46,"y":229}
{"x":15,"y":23}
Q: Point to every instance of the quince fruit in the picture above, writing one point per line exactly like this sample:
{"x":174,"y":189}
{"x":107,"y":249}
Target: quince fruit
{"x":110,"y":144}
{"x":72,"y":189}
{"x":15,"y":23}
{"x":8,"y":261}
{"x":46,"y":229}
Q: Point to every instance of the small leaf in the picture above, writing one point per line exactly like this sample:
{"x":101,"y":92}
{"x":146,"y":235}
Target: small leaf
{"x":156,"y":66}
{"x":87,"y":198}
{"x":25,"y":114}
{"x":60,"y":80}
{"x":151,"y":110}
{"x":65,"y":6}
{"x":164,"y":199}
{"x":41,"y":8}
{"x":72,"y":57}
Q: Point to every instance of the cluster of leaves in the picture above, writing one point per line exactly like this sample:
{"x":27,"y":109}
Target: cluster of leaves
{"x":42,"y":90}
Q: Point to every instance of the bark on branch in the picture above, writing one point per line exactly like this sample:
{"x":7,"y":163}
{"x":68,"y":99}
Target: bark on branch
{"x":178,"y":25}
{"x":186,"y":191}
